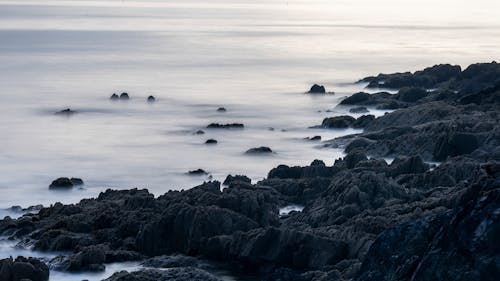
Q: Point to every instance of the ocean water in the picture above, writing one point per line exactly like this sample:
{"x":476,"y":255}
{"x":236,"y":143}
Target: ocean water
{"x":255,"y":58}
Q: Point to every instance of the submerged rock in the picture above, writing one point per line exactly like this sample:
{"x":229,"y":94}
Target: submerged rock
{"x":259,"y":150}
{"x":199,"y":132}
{"x":221,"y":109}
{"x":114,"y":96}
{"x":151,"y":99}
{"x":66,"y":111}
{"x":197,"y":172}
{"x":225,"y":126}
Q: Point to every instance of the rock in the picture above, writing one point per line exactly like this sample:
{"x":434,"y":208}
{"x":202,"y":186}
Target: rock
{"x":151,"y":99}
{"x":177,"y":274}
{"x":23,"y":268}
{"x":359,"y":109}
{"x":61,"y":183}
{"x":225,"y":126}
{"x":315,"y":138}
{"x":259,"y":150}
{"x":197,"y":172}
{"x":124,"y":96}
{"x":237,"y":178}
{"x":221,"y":109}
{"x":317,"y":89}
{"x":66,"y":111}
{"x":76,"y":181}
{"x":211,"y":141}
{"x":199,"y":132}
{"x":114,"y":97}
{"x":409,"y":94}
{"x":338,"y":122}
{"x":357,"y":98}
{"x":455,"y":144}
{"x":91,"y":258}
{"x":363,"y":121}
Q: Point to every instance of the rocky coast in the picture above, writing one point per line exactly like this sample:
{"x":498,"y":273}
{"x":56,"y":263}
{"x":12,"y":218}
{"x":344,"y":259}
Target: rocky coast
{"x":432,"y":213}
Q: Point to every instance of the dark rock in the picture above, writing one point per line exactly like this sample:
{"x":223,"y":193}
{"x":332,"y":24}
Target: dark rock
{"x":61,"y":183}
{"x":259,"y":150}
{"x":114,"y":97}
{"x":237,"y":178}
{"x":221,"y":109}
{"x":91,"y":258}
{"x":315,"y":138}
{"x":177,"y":274}
{"x":363,"y":121}
{"x":317,"y":89}
{"x":198,"y":172}
{"x":358,"y":98}
{"x":359,"y":109}
{"x":338,"y":122}
{"x":23,"y":269}
{"x":151,"y":99}
{"x":66,"y":111}
{"x":199,"y":132}
{"x":408,"y":94}
{"x":455,"y":144}
{"x":211,"y":141}
{"x":225,"y":126}
{"x":76,"y":181}
{"x":124,"y":96}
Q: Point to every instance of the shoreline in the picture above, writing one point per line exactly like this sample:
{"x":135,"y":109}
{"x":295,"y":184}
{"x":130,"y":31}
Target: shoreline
{"x":357,"y":213}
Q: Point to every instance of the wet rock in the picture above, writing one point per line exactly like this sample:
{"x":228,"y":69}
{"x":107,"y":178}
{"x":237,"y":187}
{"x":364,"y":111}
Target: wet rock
{"x":221,"y":109}
{"x":359,"y":109}
{"x":91,"y":258}
{"x":124,"y":96}
{"x":237,"y":178}
{"x":151,"y":99}
{"x":66,"y":112}
{"x":315,"y":138}
{"x":409,"y":94}
{"x":76,"y":181}
{"x":259,"y":150}
{"x":363,"y":121}
{"x":23,"y":269}
{"x":114,"y":97}
{"x":317,"y":89}
{"x":199,"y":132}
{"x":197,"y":172}
{"x":225,"y":126}
{"x":455,"y":144}
{"x":61,"y":183}
{"x":338,"y":122}
{"x":177,"y":274}
{"x":211,"y":141}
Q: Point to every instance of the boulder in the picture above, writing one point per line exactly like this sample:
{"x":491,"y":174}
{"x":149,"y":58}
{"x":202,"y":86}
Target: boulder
{"x":317,"y":89}
{"x":61,"y":183}
{"x":338,"y":122}
{"x":259,"y":150}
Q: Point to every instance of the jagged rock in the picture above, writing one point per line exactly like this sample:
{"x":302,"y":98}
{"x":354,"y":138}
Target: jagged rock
{"x":237,"y":178}
{"x":317,"y":89}
{"x":225,"y":126}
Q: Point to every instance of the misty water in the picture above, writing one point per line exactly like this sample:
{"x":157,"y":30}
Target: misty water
{"x":255,"y":58}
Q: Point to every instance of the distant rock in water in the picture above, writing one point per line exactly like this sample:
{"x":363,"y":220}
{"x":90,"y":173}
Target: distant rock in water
{"x":338,"y":122}
{"x":211,"y":141}
{"x":237,"y":178}
{"x":259,"y":150}
{"x":114,"y":97}
{"x":317,"y":89}
{"x":359,"y":109}
{"x":221,"y":109}
{"x":151,"y":99}
{"x":225,"y":126}
{"x":197,"y":172}
{"x":61,"y":183}
{"x":66,"y":112}
{"x":124,"y":96}
{"x":76,"y":181}
{"x":199,"y":132}
{"x":23,"y":269}
{"x":315,"y":138}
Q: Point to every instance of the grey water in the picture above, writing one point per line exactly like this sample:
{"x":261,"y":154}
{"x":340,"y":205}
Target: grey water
{"x":255,"y":58}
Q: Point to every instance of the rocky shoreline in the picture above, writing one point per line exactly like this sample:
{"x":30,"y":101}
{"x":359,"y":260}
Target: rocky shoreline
{"x":363,"y":218}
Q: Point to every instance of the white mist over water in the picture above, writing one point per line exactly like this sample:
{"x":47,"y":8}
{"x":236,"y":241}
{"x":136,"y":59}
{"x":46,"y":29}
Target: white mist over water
{"x":255,"y":58}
